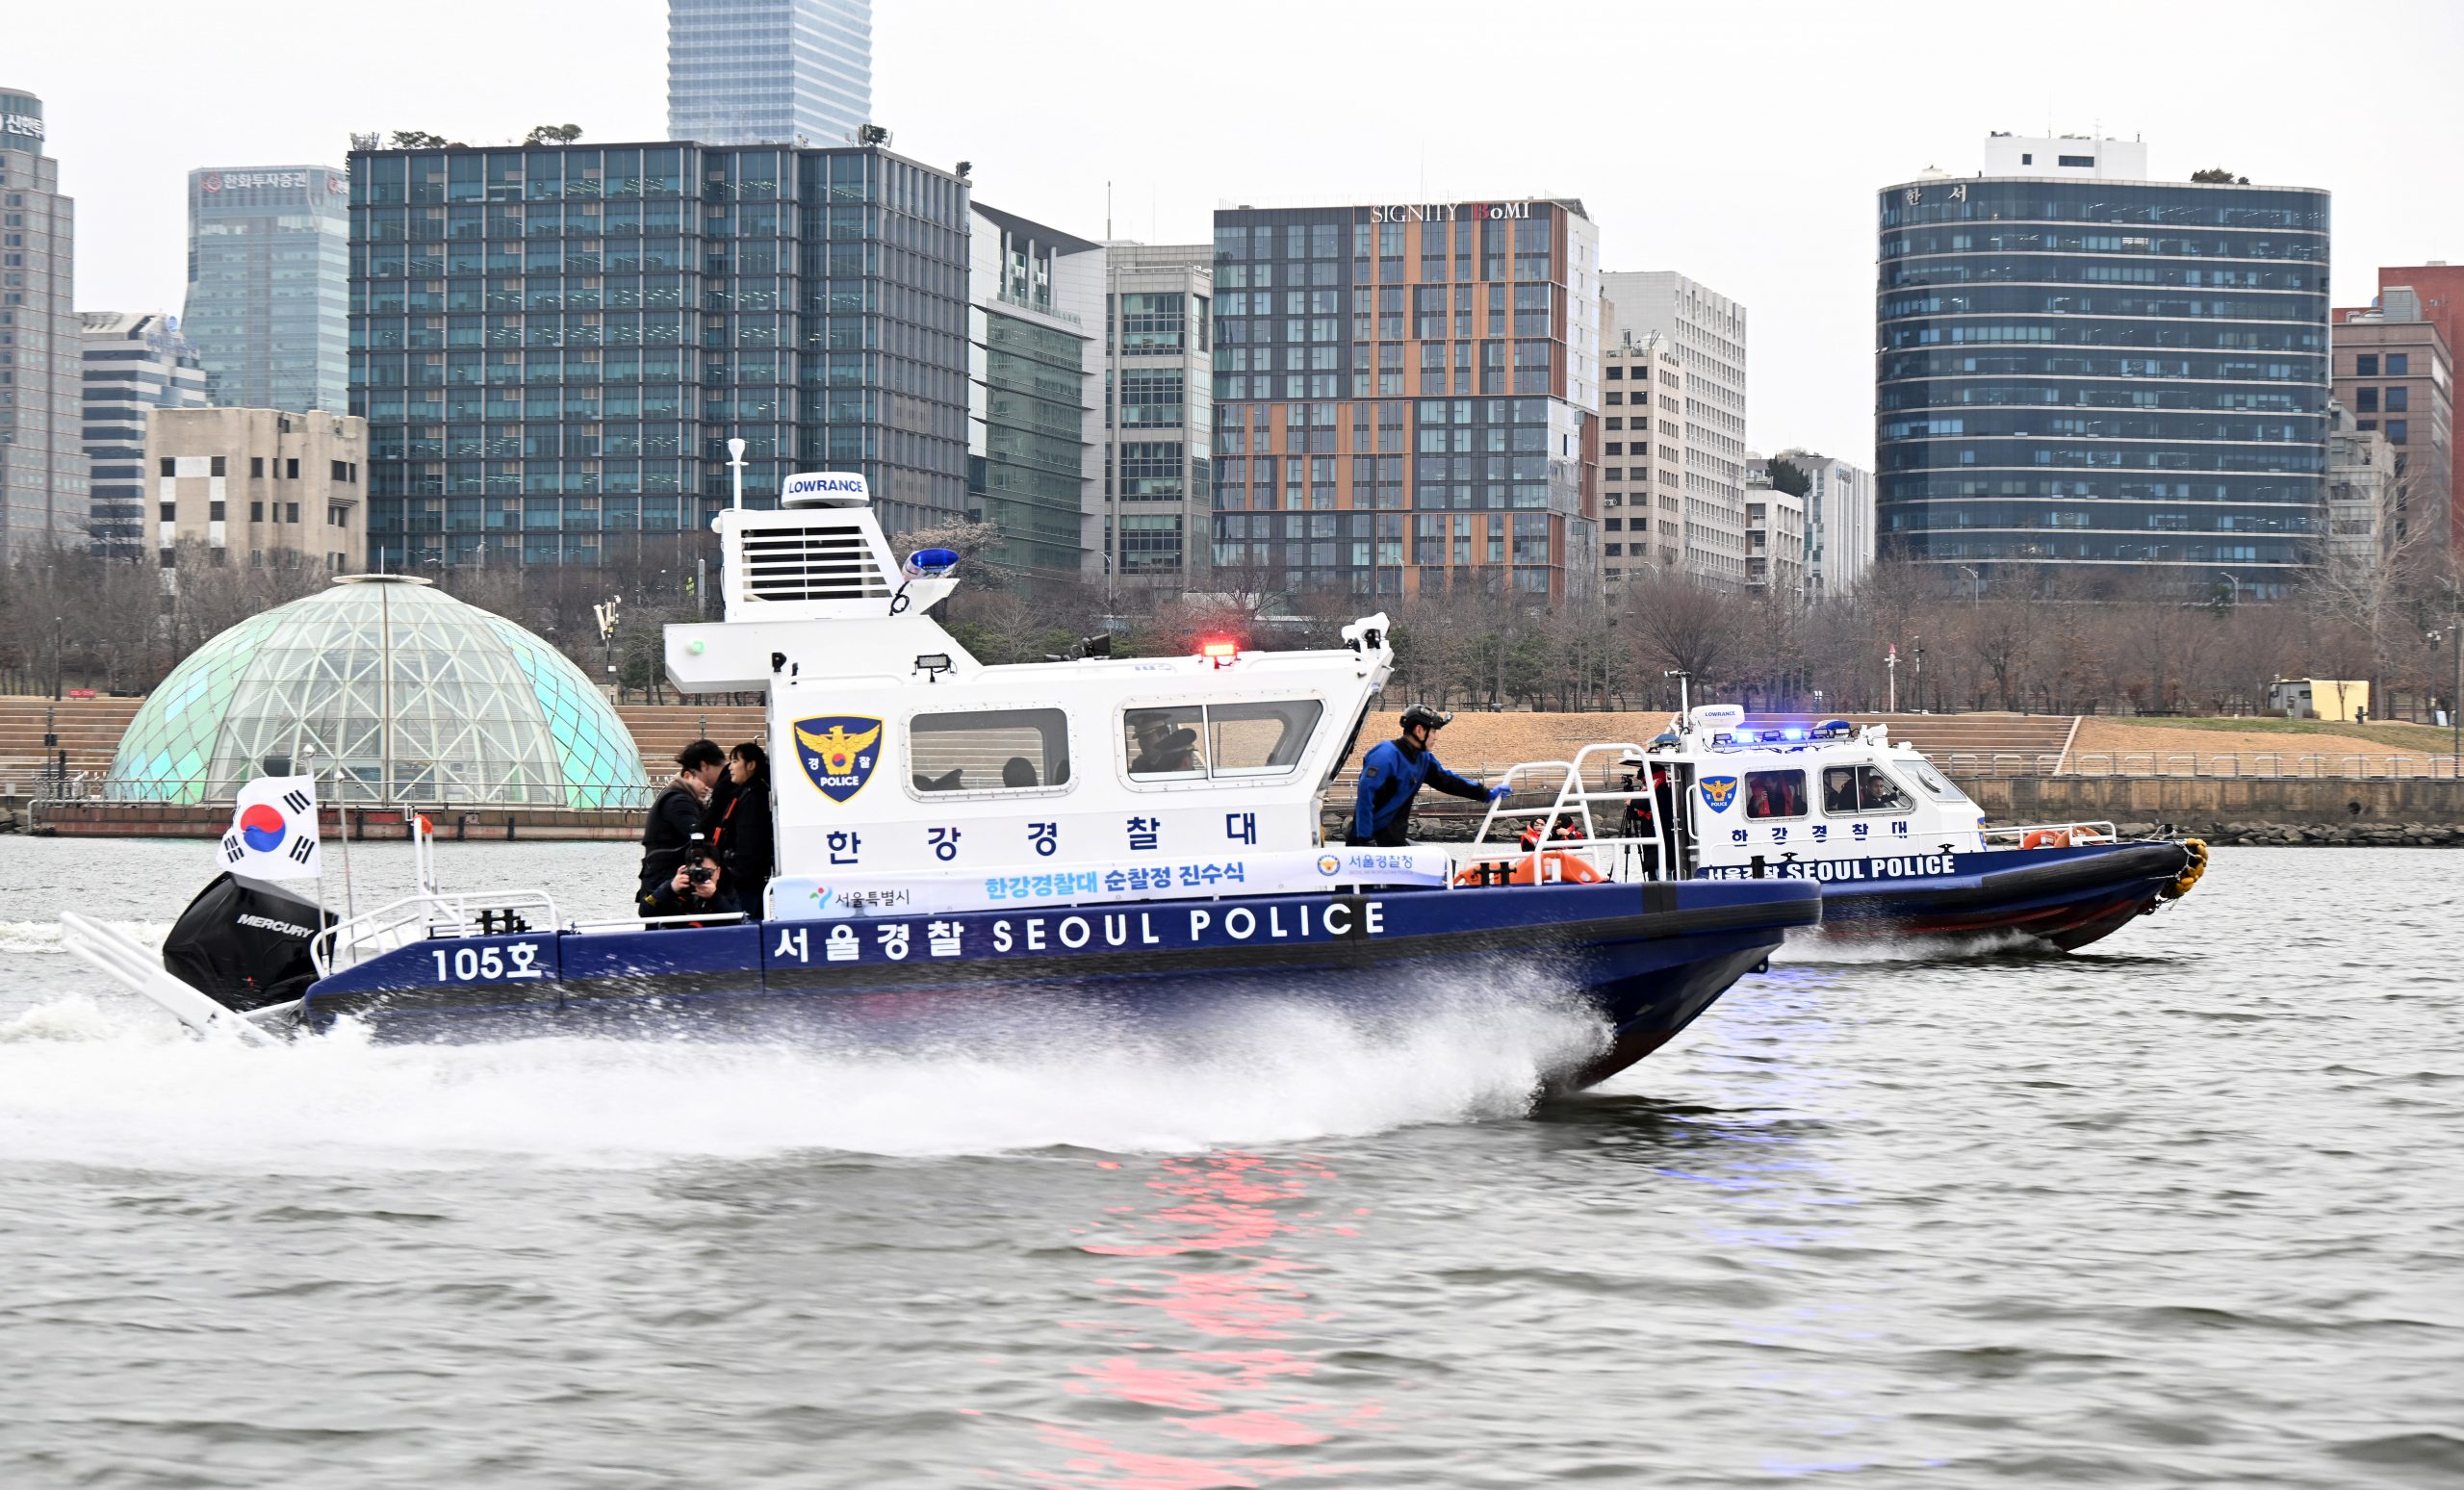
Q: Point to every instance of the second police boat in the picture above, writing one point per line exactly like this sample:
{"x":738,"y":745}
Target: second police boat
{"x":956,"y":839}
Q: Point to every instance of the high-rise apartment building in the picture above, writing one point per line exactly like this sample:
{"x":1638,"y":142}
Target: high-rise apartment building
{"x":266,"y":488}
{"x":43,"y":459}
{"x":1159,"y":489}
{"x":1839,"y":523}
{"x":1407,"y":400}
{"x":269,"y":298}
{"x":1708,"y":331}
{"x":1642,"y":458}
{"x":2437,"y":290}
{"x":1034,"y":466}
{"x":2396,"y":373}
{"x":2115,"y":376}
{"x":134,"y":362}
{"x":556,"y":344}
{"x":784,"y":72}
{"x":1775,"y":543}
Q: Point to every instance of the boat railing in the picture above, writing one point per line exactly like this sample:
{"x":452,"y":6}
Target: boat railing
{"x":2050,"y":834}
{"x":427,"y":914}
{"x":640,"y":922}
{"x":1619,"y":856}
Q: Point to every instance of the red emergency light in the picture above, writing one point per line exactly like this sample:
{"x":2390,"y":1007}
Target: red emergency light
{"x":1219,"y":650}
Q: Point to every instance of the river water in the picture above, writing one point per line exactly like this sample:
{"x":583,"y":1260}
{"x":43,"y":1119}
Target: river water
{"x":2183,"y":1209}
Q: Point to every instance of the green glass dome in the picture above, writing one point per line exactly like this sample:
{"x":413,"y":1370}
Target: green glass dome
{"x":389,"y":691}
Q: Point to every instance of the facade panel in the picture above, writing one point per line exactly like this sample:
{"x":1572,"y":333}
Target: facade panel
{"x":2128,"y":376}
{"x":1407,"y":400}
{"x":552,"y":346}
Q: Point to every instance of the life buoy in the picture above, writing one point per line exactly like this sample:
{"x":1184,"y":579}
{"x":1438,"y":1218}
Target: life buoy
{"x":1551,"y":868}
{"x":2046,"y":837}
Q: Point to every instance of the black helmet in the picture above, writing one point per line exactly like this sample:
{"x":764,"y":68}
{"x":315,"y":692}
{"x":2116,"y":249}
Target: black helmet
{"x":1423,"y":714}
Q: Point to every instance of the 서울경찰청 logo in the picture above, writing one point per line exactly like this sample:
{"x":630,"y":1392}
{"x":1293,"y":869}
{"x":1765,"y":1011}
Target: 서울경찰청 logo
{"x":1329,"y":866}
{"x":1718,"y":791}
{"x":839,"y":753}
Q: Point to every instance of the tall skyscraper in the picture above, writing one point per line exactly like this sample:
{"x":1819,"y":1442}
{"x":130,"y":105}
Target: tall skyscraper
{"x":1032,"y":462}
{"x":790,"y":72}
{"x":43,"y":459}
{"x":1707,"y":329}
{"x":1407,"y":400}
{"x":2083,"y":369}
{"x":136,"y":362}
{"x":268,"y":301}
{"x":557,"y":380}
{"x":1159,"y":486}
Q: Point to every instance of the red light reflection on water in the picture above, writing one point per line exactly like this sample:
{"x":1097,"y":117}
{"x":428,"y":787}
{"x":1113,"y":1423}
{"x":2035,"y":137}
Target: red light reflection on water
{"x":1227,"y":1381}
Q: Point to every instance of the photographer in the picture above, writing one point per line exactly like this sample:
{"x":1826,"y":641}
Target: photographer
{"x":694,"y":889}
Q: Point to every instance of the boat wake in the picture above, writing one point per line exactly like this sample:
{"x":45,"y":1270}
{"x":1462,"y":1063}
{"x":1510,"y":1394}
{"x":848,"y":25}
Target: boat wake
{"x":1814,"y":945}
{"x":114,"y":1085}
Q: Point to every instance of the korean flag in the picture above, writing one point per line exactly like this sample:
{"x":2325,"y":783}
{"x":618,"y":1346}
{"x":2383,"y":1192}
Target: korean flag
{"x":274,"y":830}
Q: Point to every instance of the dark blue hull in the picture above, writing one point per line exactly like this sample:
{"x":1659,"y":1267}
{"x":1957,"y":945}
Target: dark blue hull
{"x":1649,"y":958}
{"x":2066,"y":897}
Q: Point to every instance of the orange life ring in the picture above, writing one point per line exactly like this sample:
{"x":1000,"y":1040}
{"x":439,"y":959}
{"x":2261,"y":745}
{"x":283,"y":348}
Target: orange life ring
{"x":1563,"y":869}
{"x":2047,"y":837}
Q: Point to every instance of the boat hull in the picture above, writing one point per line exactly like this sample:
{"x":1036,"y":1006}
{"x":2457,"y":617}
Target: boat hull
{"x":2066,"y":898}
{"x":1649,"y":958}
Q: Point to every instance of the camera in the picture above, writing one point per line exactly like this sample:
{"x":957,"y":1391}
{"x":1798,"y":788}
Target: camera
{"x":698,"y":874}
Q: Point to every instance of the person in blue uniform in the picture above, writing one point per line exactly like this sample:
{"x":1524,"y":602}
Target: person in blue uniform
{"x":1393,"y":774}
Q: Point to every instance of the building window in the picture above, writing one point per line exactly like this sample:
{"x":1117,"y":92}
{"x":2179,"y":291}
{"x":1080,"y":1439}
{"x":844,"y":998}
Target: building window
{"x":2366,"y":365}
{"x":2398,"y":429}
{"x":256,"y":512}
{"x":167,"y":466}
{"x":290,"y":512}
{"x":217,"y":468}
{"x":290,"y":468}
{"x":257,"y":467}
{"x":2398,"y":365}
{"x":2365,"y":400}
{"x":2399,"y":399}
{"x":214,"y":512}
{"x":2027,"y":158}
{"x":2078,"y":161}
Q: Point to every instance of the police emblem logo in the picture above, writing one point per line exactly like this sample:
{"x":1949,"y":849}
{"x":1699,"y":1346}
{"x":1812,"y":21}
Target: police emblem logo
{"x":839,"y":753}
{"x":1718,"y":791}
{"x":1329,"y":866}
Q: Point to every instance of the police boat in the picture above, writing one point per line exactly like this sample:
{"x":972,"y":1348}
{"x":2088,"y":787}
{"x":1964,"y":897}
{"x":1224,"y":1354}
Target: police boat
{"x":1898,"y":850}
{"x":955,"y":840}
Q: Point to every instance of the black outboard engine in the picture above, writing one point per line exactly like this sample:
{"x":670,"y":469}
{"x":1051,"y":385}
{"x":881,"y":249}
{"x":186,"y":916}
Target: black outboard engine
{"x":245,"y":944}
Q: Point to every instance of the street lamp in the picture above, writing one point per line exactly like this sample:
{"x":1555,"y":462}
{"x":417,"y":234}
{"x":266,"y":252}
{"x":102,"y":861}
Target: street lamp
{"x":2229,"y":578}
{"x":1976,"y":586}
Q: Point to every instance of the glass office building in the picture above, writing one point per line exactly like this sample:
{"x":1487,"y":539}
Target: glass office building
{"x":269,"y":297}
{"x":793,"y":72}
{"x":2125,"y":378}
{"x":553,"y":347}
{"x":1405,"y":399}
{"x":136,"y":362}
{"x":44,"y":500}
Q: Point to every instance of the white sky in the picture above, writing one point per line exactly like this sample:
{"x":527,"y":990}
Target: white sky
{"x":1739,"y":143}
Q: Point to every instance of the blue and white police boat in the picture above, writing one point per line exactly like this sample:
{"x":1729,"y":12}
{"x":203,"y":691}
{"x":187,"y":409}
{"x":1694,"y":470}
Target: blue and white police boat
{"x":1898,"y":850}
{"x":955,"y":840}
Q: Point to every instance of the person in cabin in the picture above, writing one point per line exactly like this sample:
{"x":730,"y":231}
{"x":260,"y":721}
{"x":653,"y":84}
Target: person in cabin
{"x":697,"y":887}
{"x":1164,"y":748}
{"x":1838,"y":789}
{"x":676,"y":814}
{"x":1394,"y":772}
{"x":737,"y":824}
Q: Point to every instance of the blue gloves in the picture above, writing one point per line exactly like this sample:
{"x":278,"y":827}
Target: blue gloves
{"x":1497,"y":794}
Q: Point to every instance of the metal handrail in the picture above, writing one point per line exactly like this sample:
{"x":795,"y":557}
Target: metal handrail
{"x":386,"y":928}
{"x":1573,"y":799}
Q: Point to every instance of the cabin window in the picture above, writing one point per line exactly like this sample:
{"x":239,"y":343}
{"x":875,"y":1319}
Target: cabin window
{"x":989,"y":750}
{"x":1937,"y":787}
{"x":1218,"y":742}
{"x":1775,"y":794}
{"x":1862,"y":788}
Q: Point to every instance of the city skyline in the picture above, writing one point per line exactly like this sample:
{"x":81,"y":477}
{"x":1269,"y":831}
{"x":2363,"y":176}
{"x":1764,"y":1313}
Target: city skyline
{"x":1779,"y":216}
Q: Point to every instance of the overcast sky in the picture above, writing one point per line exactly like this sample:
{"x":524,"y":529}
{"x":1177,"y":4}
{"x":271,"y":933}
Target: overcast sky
{"x":1739,"y":143}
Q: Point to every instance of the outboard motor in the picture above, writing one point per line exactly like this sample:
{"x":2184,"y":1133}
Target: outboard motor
{"x":245,"y":944}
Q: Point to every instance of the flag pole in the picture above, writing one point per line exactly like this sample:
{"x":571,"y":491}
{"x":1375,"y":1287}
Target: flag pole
{"x":309,"y":753}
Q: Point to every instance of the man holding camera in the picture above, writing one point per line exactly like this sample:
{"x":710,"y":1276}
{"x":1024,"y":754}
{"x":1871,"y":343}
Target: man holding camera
{"x":693,"y":890}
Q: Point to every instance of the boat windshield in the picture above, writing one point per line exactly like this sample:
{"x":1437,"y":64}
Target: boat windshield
{"x":1937,"y":786}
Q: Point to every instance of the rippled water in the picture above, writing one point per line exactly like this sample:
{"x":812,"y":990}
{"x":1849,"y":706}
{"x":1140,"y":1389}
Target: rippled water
{"x":2180,"y":1210}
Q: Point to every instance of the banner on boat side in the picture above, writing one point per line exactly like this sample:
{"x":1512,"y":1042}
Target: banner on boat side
{"x":829,"y":898}
{"x":839,"y":751}
{"x":1892,"y":867}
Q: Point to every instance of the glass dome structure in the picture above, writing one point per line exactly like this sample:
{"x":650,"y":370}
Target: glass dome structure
{"x":388,"y":690}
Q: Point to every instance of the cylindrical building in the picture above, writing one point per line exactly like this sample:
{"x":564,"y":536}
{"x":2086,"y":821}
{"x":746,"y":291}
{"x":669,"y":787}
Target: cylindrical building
{"x":2124,"y":377}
